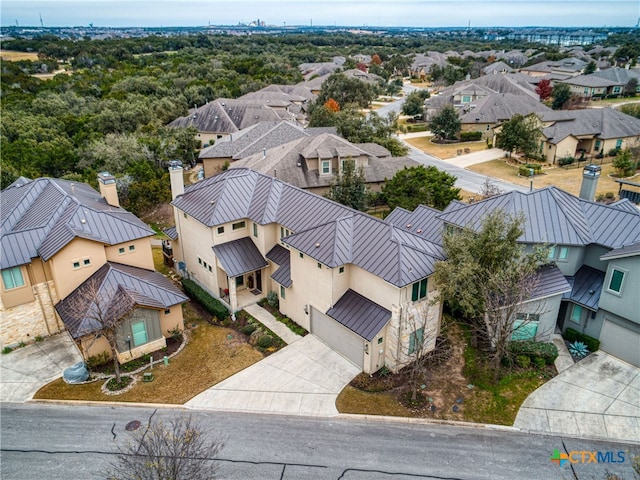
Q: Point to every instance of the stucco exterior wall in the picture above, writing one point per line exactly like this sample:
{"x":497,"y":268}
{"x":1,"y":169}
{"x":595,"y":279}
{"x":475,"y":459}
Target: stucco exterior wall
{"x":213,"y":166}
{"x":65,"y":276}
{"x":626,"y":303}
{"x":141,"y":255}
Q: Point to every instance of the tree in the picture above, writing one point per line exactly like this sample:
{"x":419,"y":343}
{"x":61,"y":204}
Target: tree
{"x":624,"y":163}
{"x":375,"y":59}
{"x":632,"y":109}
{"x":179,"y":450}
{"x":332,"y":105}
{"x":631,"y":87}
{"x":349,"y":186}
{"x":488,"y":190}
{"x":590,"y":68}
{"x":561,"y":94}
{"x":446,"y":124}
{"x":346,"y":90}
{"x":413,"y":186}
{"x":414,"y":102}
{"x":520,"y":134}
{"x":487,"y":276}
{"x":544,"y":89}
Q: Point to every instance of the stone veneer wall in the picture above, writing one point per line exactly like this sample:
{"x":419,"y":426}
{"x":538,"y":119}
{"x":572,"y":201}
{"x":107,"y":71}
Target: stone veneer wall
{"x":23,"y":323}
{"x":406,"y":319}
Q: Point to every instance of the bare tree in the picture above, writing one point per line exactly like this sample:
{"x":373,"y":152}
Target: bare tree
{"x":487,"y":190}
{"x":417,"y":347}
{"x":177,"y":450}
{"x":101,"y":310}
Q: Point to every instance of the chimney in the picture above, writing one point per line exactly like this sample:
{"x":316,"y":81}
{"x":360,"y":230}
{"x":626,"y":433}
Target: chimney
{"x":177,"y":180}
{"x":590,"y":176}
{"x":108,"y":189}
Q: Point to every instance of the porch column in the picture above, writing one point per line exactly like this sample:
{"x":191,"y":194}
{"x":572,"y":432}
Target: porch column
{"x":233,"y":295}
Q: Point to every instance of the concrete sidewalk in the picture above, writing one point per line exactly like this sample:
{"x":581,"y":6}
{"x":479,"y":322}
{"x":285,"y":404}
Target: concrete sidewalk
{"x":474,"y":158}
{"x":303,"y":378}
{"x":25,"y":370}
{"x":598,"y":397}
{"x":268,"y":320}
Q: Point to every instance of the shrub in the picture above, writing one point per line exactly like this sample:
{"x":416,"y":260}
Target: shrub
{"x":6,"y":350}
{"x":564,"y":161}
{"x":532,"y":349}
{"x":248,"y":329}
{"x":613,"y":152}
{"x":578,"y":349}
{"x":571,"y":335}
{"x":523,"y":361}
{"x":470,"y":136}
{"x":97,"y":360}
{"x":39,"y":338}
{"x":272,"y":300}
{"x":539,"y":362}
{"x":114,"y":386}
{"x":212,"y":305}
{"x":416,"y":128}
{"x":176,"y":334}
{"x":265,"y":341}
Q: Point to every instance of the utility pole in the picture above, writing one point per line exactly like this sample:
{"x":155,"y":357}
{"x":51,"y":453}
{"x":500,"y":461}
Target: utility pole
{"x":41,"y":22}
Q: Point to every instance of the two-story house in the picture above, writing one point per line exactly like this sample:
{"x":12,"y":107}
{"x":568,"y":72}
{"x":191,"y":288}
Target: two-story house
{"x":59,"y":237}
{"x":358,"y":283}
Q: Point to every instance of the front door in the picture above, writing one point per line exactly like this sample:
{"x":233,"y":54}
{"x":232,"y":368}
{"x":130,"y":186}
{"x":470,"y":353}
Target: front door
{"x":259,"y":279}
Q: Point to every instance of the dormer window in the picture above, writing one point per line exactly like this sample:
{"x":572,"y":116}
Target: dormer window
{"x":325,"y":167}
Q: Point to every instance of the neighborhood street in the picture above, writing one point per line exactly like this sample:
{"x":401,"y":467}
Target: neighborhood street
{"x":74,"y":441}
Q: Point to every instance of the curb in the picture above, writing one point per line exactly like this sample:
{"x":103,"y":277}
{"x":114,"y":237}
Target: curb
{"x":89,"y":403}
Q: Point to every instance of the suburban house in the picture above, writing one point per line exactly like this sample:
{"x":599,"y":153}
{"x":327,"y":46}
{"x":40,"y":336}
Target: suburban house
{"x":611,"y":82}
{"x":592,"y":281}
{"x":560,"y":69}
{"x":569,"y":133}
{"x":497,"y":67}
{"x":311,"y":163}
{"x":67,"y":251}
{"x":360,"y":284}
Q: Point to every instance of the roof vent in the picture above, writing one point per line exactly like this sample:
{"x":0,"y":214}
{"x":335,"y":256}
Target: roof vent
{"x":408,"y":225}
{"x":212,"y":202}
{"x":83,"y":221}
{"x":317,"y":245}
{"x":419,"y":230}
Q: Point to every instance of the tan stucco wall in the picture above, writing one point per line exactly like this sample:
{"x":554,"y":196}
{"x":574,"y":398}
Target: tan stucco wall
{"x":19,"y":295}
{"x":171,"y":320}
{"x":65,"y":277}
{"x":141,"y":257}
{"x":213,"y":166}
{"x":25,"y":322}
{"x":209,"y":137}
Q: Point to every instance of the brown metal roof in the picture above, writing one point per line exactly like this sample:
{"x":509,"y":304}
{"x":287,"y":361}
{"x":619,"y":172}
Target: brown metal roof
{"x":360,"y":315}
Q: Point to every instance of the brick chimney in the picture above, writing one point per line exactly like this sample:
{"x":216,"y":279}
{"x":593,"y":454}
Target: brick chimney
{"x":177,"y":180}
{"x":108,"y":189}
{"x":590,"y":176}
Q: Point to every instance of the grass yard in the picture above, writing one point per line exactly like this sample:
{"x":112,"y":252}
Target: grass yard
{"x":444,"y":152}
{"x":568,"y":180}
{"x":209,"y":357}
{"x":12,"y":56}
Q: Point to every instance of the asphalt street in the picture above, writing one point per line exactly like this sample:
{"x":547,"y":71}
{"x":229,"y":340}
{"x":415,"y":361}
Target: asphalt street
{"x":74,"y":441}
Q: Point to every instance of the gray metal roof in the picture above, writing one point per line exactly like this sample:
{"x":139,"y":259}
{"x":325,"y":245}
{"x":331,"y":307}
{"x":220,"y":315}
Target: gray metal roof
{"x":555,"y":217}
{"x":113,"y":289}
{"x":171,"y":232}
{"x":239,"y":257}
{"x":630,"y":250}
{"x":398,"y":257}
{"x":40,"y":217}
{"x":424,"y":221}
{"x":281,"y":257}
{"x":360,"y":315}
{"x":550,"y":282}
{"x":586,"y":286}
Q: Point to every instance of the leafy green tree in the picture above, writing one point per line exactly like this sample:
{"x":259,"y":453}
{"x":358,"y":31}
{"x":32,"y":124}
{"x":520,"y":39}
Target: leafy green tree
{"x":346,"y":90}
{"x":487,"y":276}
{"x":348,"y":187}
{"x":446,"y":125}
{"x":624,"y":163}
{"x":414,"y":102}
{"x":590,"y":68}
{"x":631,"y":87}
{"x":561,"y":94}
{"x":420,"y":185}
{"x":632,"y":109}
{"x":520,"y":134}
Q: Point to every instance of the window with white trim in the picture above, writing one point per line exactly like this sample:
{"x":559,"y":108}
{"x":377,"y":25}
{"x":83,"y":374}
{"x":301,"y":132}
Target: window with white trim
{"x":238,"y":225}
{"x":419,"y":290}
{"x":564,"y":254}
{"x":12,"y":278}
{"x":552,"y":253}
{"x":616,"y":280}
{"x":325,"y":167}
{"x":282,"y":292}
{"x":576,"y":313}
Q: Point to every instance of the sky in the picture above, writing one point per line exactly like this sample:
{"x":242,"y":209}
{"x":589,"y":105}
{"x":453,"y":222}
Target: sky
{"x":410,"y":13}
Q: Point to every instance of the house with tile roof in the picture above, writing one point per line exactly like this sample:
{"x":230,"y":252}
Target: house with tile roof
{"x":311,"y":163}
{"x":592,"y":281}
{"x":59,"y":236}
{"x":607,"y":83}
{"x":360,"y":284}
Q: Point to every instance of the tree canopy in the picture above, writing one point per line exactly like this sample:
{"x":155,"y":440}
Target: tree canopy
{"x":420,"y":185}
{"x":414,"y":102}
{"x":561,"y":94}
{"x":446,"y":124}
{"x":520,"y":134}
{"x":348,"y":187}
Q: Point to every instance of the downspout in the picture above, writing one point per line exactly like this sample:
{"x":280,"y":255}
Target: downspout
{"x":34,"y":288}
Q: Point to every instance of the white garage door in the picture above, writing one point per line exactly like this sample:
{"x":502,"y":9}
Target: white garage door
{"x":338,"y":337}
{"x":620,"y":342}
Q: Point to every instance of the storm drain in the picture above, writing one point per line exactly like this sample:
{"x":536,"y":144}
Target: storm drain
{"x":132,"y":425}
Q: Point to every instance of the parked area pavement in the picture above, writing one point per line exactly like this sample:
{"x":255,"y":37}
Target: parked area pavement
{"x":303,"y":378}
{"x":598,"y":397}
{"x":268,"y":320}
{"x":474,"y":158}
{"x":26,"y":369}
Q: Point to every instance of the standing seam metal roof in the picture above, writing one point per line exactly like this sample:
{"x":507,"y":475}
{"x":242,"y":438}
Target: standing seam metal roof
{"x":360,"y":315}
{"x":586,"y":286}
{"x":239,"y":257}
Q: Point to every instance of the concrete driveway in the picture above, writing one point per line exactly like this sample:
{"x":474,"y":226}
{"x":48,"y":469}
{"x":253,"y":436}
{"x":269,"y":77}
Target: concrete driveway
{"x":303,"y":378}
{"x":25,"y":370}
{"x":598,"y":397}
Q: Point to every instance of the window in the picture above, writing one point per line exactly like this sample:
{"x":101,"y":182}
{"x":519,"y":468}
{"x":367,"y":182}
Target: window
{"x":597,"y":144}
{"x":139,"y":331}
{"x":576,"y":313}
{"x":341,"y":270}
{"x":301,"y":255}
{"x":619,"y":143}
{"x":466,"y":99}
{"x":255,"y":230}
{"x":76,"y":264}
{"x":86,"y":262}
{"x":616,"y":89}
{"x":132,"y":248}
{"x":12,"y":278}
{"x":240,"y":281}
{"x":120,"y":250}
{"x":220,"y":230}
{"x":380,"y":340}
{"x":564,"y":253}
{"x":416,"y":339}
{"x":419,"y":290}
{"x":525,"y":327}
{"x":552,"y":253}
{"x":319,"y":265}
{"x":282,"y":292}
{"x":326,"y":167}
{"x":615,"y":282}
{"x":238,"y":225}
{"x":185,"y":215}
{"x":167,"y":311}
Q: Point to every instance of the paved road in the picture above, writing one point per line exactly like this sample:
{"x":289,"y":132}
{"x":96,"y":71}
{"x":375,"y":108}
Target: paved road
{"x":64,"y":442}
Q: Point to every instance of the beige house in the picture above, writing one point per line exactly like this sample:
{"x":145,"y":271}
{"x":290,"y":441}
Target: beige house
{"x":58,"y":236}
{"x":362,"y":285}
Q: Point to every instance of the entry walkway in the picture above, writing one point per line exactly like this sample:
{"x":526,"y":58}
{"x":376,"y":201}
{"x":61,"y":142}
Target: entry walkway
{"x":598,"y":397}
{"x":303,"y":378}
{"x":268,"y":320}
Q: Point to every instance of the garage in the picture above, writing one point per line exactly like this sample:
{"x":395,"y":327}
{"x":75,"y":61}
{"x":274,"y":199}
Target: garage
{"x":338,"y":337}
{"x":621,"y":341}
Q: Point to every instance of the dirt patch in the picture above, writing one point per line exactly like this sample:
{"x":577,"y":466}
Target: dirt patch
{"x":446,"y":151}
